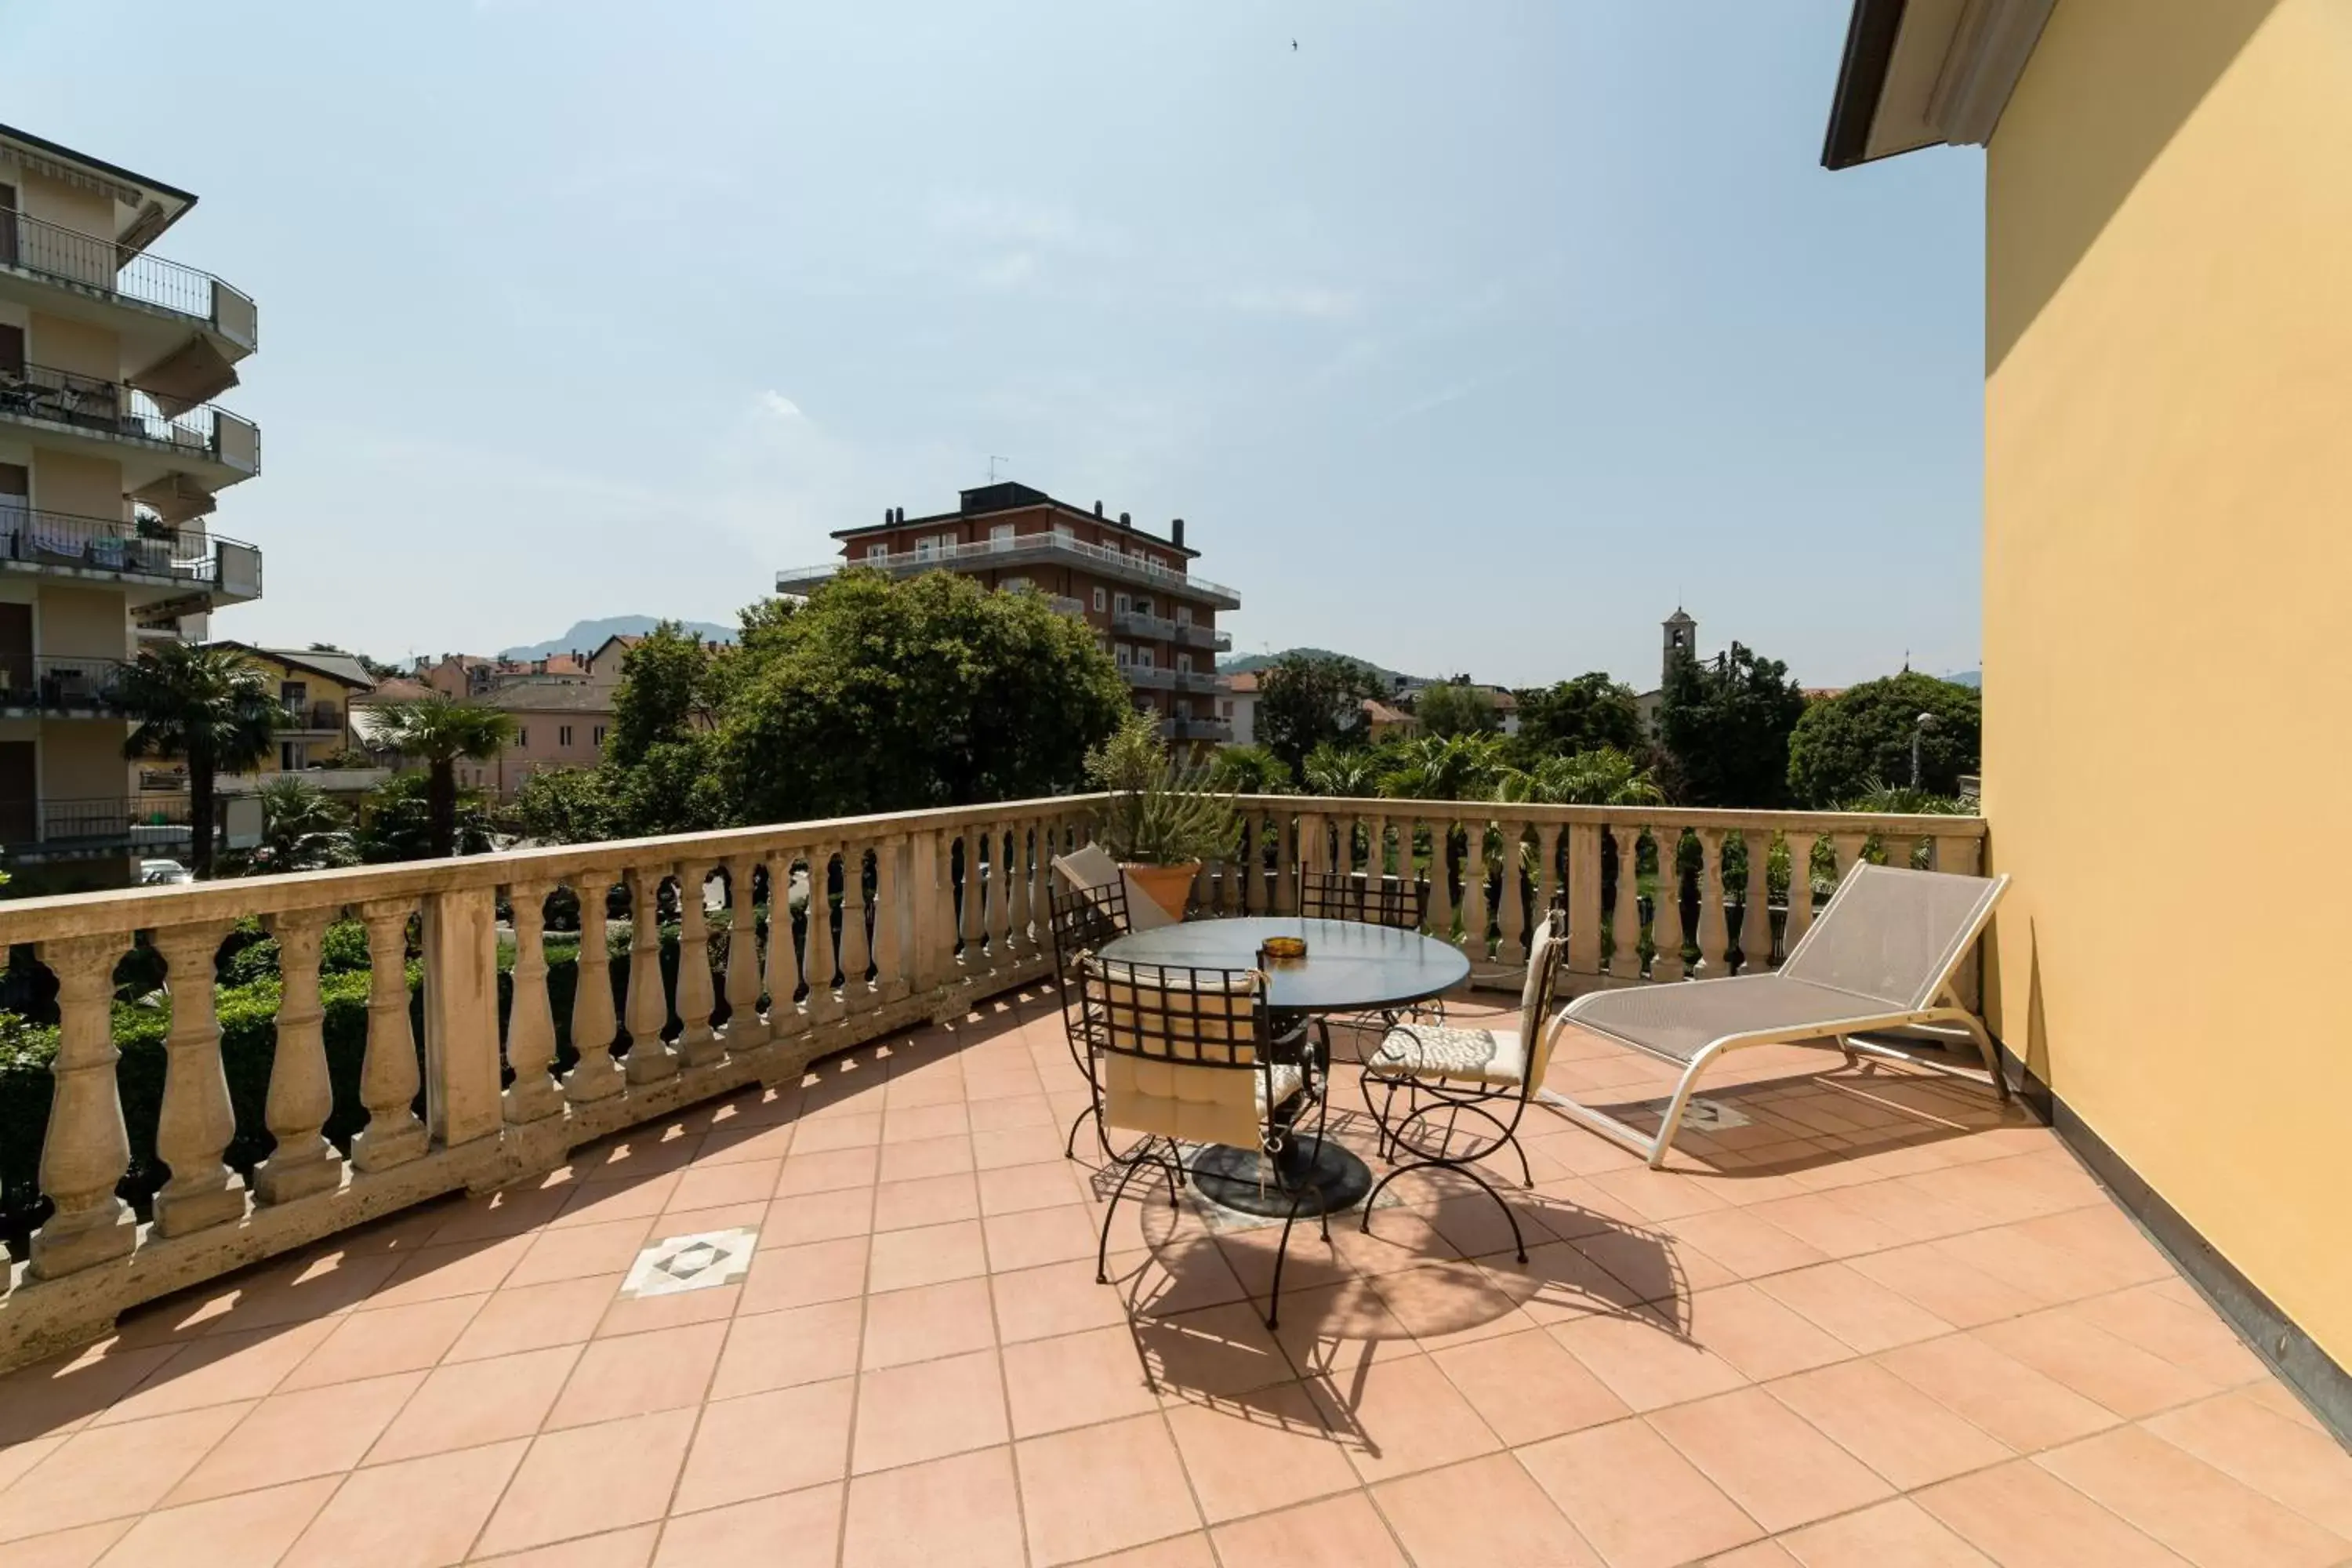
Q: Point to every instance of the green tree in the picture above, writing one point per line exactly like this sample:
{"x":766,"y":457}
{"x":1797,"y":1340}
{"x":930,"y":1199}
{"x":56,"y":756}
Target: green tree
{"x":888,"y":696}
{"x":664,"y":693}
{"x":1248,"y":770}
{"x":397,"y":821}
{"x":565,"y":805}
{"x":210,"y":706}
{"x":440,"y":733}
{"x":301,"y":829}
{"x":1445,"y":767}
{"x":1727,"y":724}
{"x":1347,"y":773}
{"x":1844,"y":744}
{"x":1581,"y":715}
{"x":1305,"y":700}
{"x":1602,"y":776}
{"x":1457,"y":708}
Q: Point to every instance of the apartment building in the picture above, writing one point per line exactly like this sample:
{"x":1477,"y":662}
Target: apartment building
{"x":1135,"y":588}
{"x":319,"y":691}
{"x":557,"y":725}
{"x":112,"y":457}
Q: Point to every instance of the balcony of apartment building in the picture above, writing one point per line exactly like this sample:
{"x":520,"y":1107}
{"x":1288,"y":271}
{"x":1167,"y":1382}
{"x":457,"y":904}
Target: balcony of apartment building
{"x":164,"y":564}
{"x":174,"y":455}
{"x":1148,"y":676}
{"x":1190,"y":634}
{"x":185,"y":328}
{"x":1143,"y":624}
{"x":59,"y":687}
{"x":1041,"y":549}
{"x":310,"y":719}
{"x":45,"y":832}
{"x":796,"y":1239}
{"x":1206,"y":682}
{"x":1187,"y":727}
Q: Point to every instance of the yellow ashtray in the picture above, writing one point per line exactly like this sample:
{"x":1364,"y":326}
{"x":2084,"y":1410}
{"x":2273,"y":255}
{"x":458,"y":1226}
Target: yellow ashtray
{"x":1280,"y":948}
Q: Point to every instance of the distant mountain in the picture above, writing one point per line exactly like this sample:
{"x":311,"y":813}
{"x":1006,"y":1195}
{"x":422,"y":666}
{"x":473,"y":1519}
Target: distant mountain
{"x":1967,"y":678}
{"x":1242,"y":664}
{"x":588,"y":636}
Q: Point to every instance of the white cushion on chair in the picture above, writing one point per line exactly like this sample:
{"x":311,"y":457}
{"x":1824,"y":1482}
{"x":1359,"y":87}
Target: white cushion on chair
{"x":1197,"y":1104}
{"x":1440,"y":1050}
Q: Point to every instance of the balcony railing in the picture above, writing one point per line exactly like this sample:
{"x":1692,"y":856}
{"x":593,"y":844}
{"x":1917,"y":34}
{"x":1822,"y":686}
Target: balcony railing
{"x":311,"y":717}
{"x":99,"y":822}
{"x":1139,"y":624}
{"x":55,"y":684}
{"x":929,"y":911}
{"x":1195,"y":636}
{"x":86,"y":260}
{"x":1007,"y":551}
{"x":1185,"y":728}
{"x":1148,"y":677}
{"x":1204,"y":682}
{"x":116,"y":409}
{"x":36,"y":538}
{"x":1064,"y":605}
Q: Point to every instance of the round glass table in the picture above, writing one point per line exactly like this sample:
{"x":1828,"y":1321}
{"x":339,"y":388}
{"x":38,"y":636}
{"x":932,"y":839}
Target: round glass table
{"x":1350,"y":967}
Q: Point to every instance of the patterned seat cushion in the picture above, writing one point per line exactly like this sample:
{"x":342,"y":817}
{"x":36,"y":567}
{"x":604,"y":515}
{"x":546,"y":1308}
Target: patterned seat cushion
{"x":1440,"y":1050}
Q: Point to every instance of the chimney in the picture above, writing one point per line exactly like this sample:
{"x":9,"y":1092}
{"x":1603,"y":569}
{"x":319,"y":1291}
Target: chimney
{"x":1098,"y":509}
{"x":886,"y":514}
{"x":1176,"y":533}
{"x":1123,"y":521}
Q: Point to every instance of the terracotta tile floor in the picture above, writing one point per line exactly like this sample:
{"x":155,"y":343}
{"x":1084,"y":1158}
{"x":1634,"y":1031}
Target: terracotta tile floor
{"x":1867,"y":1318}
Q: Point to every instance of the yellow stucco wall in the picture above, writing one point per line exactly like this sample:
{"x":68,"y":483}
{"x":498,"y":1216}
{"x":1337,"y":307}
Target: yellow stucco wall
{"x":2166,"y":753}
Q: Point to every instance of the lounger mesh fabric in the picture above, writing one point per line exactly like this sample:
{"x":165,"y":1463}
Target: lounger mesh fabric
{"x":1677,"y":1021}
{"x":1896,"y":934}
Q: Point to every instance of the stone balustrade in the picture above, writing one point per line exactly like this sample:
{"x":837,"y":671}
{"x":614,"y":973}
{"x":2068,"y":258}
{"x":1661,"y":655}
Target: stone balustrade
{"x":1491,"y":868}
{"x":910,"y":917}
{"x":907,"y":917}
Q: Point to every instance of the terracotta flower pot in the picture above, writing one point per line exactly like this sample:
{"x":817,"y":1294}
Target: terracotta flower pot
{"x":1170,"y":887}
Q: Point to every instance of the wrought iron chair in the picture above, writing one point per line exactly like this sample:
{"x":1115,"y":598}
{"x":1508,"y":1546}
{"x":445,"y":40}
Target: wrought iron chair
{"x":1082,"y":919}
{"x":1187,"y":1055}
{"x":1446,"y":1074}
{"x":1390,"y":901}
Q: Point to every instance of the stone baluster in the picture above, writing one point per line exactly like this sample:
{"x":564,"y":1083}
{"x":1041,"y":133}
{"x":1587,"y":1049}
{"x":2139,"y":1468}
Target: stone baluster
{"x":86,"y":1149}
{"x":1000,"y":876}
{"x":1026,"y":836}
{"x":1801,"y":891}
{"x":1666,"y":910}
{"x":745,"y":1027}
{"x":823,"y":1001}
{"x":970,"y":915}
{"x":1511,"y":951}
{"x":1441,"y":882}
{"x":1283,"y":898}
{"x":595,"y":1029}
{"x":857,"y":991}
{"x":649,"y":1060}
{"x":197,"y":1120}
{"x":1625,"y":921}
{"x":1587,"y":915}
{"x":697,"y":1044}
{"x":1547,"y":878}
{"x":530,"y":1023}
{"x":388,"y":1074}
{"x":786,"y":1015}
{"x":891,"y":979}
{"x":1849,"y":847}
{"x":1714,"y":928}
{"x":300,"y":1097}
{"x":1756,"y":906}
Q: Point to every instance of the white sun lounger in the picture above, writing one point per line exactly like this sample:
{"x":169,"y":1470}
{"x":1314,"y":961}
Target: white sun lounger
{"x":1880,"y":956}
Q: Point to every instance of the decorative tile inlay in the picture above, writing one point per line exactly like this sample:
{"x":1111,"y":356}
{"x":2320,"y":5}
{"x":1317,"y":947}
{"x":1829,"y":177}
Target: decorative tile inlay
{"x":692,"y":1262}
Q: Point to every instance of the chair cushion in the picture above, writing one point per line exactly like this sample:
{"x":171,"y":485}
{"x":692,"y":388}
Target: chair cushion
{"x":1196,"y":1104}
{"x":1442,"y":1050}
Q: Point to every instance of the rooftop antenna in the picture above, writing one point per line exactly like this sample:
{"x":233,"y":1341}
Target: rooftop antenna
{"x":992,"y":461}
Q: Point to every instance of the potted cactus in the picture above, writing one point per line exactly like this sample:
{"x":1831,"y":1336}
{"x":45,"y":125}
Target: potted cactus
{"x":1161,"y":820}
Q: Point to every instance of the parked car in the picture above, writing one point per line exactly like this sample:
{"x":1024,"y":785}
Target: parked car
{"x":162,"y":873}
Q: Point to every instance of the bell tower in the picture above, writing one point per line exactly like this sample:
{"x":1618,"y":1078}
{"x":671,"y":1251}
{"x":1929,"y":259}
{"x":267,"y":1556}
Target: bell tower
{"x":1681,"y":643}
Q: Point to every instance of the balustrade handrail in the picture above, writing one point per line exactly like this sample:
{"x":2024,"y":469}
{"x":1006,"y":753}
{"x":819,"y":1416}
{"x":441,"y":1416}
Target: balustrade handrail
{"x":93,"y":261}
{"x":1936,"y":826}
{"x":116,"y":407}
{"x":111,"y":545}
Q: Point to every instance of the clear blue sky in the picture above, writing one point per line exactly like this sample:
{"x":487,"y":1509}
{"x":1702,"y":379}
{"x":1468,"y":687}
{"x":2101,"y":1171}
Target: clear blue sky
{"x":1464,"y":337}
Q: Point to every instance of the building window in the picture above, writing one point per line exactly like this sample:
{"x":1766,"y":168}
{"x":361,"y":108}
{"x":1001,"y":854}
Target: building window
{"x":522,"y":736}
{"x":564,"y":736}
{"x":1184,"y":614}
{"x":877,"y":552}
{"x":1065,"y":534}
{"x":1099,"y":600}
{"x":1125,"y":603}
{"x":1143,"y":657}
{"x":1184,"y":664}
{"x":1125,"y":655}
{"x":928,"y":547}
{"x":1013,"y":585}
{"x":1000,"y":536}
{"x":599,"y":737}
{"x":1229,"y":706}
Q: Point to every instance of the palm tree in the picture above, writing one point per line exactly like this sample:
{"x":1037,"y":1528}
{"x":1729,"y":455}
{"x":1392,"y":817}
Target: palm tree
{"x":1341,"y":772}
{"x":1445,"y":767}
{"x":301,"y":829}
{"x":441,"y":731}
{"x":1604,"y":776}
{"x":211,"y":706}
